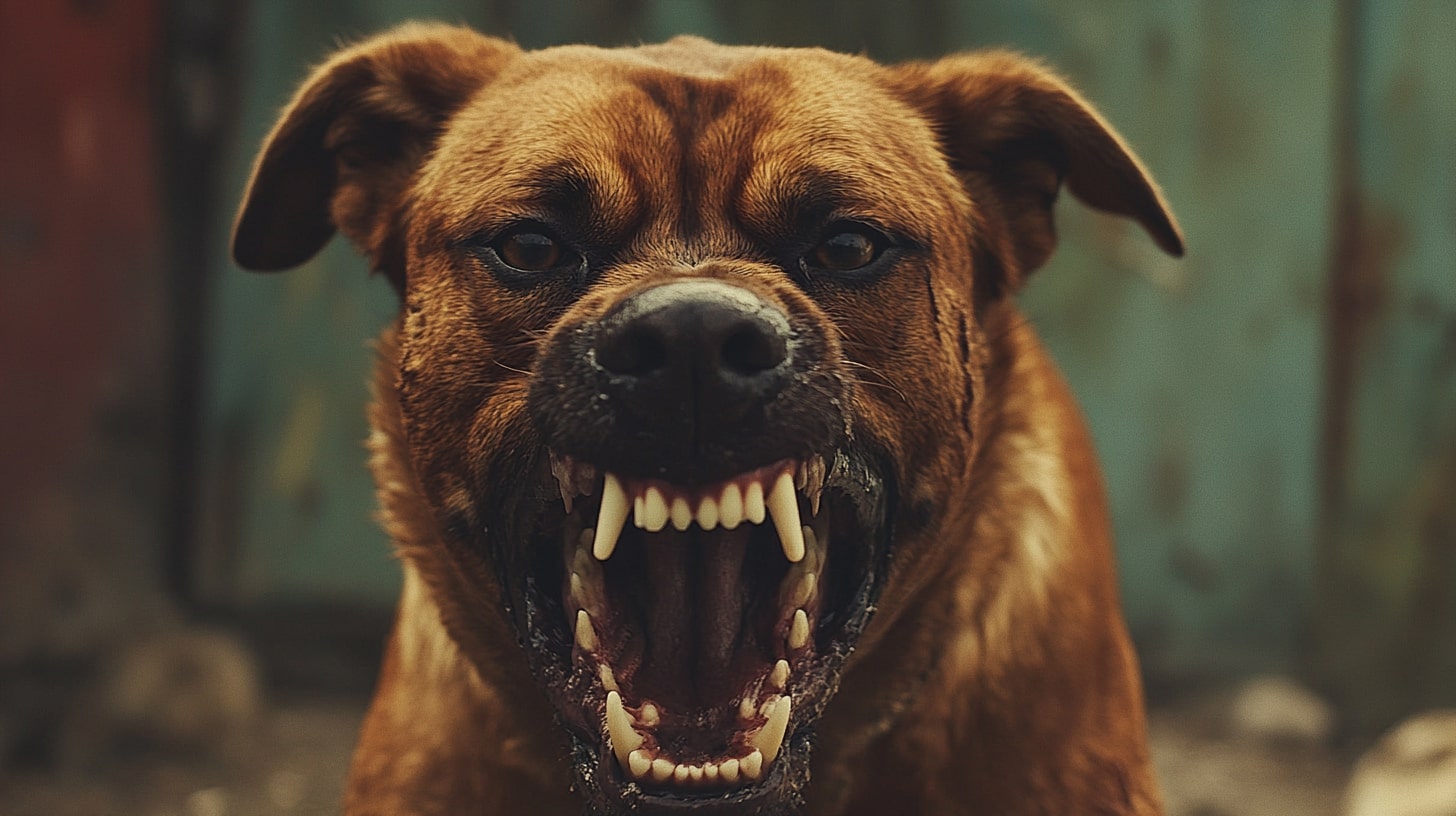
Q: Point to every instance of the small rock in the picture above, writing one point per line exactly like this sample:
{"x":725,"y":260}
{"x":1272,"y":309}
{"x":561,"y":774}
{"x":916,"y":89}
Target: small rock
{"x":1410,"y":772}
{"x":1277,"y":709}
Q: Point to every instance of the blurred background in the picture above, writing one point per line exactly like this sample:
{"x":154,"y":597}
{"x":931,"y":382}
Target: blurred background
{"x":194,"y":595}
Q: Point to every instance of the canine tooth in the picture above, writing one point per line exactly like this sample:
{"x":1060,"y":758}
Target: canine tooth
{"x":649,"y":716}
{"x":803,"y":589}
{"x":813,"y":550}
{"x":609,"y":680}
{"x":682,"y":514}
{"x":783,"y":505}
{"x":654,"y":510}
{"x":695,"y":773}
{"x":752,"y":765}
{"x":639,"y":763}
{"x":708,"y":513}
{"x":753,"y":508}
{"x":780,"y":675}
{"x":611,"y":518}
{"x":710,"y":771}
{"x":625,"y":738}
{"x":662,"y":769}
{"x":586,"y":636}
{"x":799,"y":630}
{"x":729,"y":770}
{"x":730,"y":507}
{"x":680,"y":774}
{"x":770,"y":738}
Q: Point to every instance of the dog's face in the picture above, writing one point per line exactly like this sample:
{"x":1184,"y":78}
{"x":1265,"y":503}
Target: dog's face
{"x":684,"y":330}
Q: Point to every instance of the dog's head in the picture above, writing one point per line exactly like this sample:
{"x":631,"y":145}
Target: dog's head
{"x":691,"y":351}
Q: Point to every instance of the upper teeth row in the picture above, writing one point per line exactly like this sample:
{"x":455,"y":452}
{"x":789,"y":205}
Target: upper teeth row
{"x":735,"y":501}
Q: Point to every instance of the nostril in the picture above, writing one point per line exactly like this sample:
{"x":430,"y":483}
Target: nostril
{"x":751,"y":349}
{"x":634,"y":350}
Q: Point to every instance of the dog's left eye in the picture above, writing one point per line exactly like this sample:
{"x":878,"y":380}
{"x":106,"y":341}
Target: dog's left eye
{"x":847,"y":247}
{"x":529,"y":251}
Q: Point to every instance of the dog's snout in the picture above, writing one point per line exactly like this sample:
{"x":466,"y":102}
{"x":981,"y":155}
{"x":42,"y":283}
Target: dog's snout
{"x":712,"y":346}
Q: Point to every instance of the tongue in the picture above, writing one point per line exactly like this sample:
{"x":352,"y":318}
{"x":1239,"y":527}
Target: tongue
{"x":694,"y":615}
{"x":720,"y":607}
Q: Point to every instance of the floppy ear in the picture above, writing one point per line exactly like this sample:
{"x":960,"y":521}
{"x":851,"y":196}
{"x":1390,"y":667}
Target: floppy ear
{"x":345,"y":151}
{"x":1013,"y":131}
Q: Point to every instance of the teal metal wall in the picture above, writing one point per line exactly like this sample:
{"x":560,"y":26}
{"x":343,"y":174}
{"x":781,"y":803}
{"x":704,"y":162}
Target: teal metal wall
{"x":1276,"y":412}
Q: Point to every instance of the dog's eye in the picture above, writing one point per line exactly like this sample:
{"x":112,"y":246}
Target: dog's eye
{"x":848,"y":247}
{"x":529,"y":251}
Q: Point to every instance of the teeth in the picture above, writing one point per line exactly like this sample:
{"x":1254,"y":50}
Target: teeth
{"x":662,"y":769}
{"x":609,"y":680}
{"x":780,"y":675}
{"x":799,"y":630}
{"x":730,"y":507}
{"x":746,"y":708}
{"x":770,"y":738}
{"x":752,"y":765}
{"x":625,"y":738}
{"x":708,"y":514}
{"x":639,"y":511}
{"x":639,"y":763}
{"x":710,"y":771}
{"x":753,"y":508}
{"x":680,"y":774}
{"x":695,"y":773}
{"x":682,"y":514}
{"x":654,"y":510}
{"x":650,"y":715}
{"x":729,"y":771}
{"x":610,"y":519}
{"x":784,"y":506}
{"x":803,"y":589}
{"x":586,"y":636}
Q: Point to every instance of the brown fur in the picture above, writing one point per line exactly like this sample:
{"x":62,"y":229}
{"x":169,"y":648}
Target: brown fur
{"x":996,"y":676}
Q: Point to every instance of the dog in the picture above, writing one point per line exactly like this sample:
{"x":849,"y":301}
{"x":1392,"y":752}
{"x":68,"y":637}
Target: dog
{"x":725,"y":474}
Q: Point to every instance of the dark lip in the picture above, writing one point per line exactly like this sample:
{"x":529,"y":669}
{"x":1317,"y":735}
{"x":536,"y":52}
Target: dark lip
{"x":858,"y":486}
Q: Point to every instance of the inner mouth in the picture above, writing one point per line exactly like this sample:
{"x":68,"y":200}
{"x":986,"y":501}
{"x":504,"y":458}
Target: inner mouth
{"x":703,"y":625}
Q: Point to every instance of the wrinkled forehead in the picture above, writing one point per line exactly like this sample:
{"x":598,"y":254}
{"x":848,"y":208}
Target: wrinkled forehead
{"x":671,"y":135}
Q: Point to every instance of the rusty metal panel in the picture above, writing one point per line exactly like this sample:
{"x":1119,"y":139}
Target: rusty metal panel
{"x":1387,"y":604}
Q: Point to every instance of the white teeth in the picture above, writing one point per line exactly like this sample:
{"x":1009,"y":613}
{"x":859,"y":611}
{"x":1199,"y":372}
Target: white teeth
{"x":784,"y":506}
{"x":780,"y":675}
{"x":753,"y":508}
{"x":625,"y":738}
{"x":662,"y":769}
{"x":730,"y":507}
{"x":803,"y":589}
{"x":682,"y":514}
{"x":654,"y":510}
{"x":708,"y":514}
{"x":752,"y":765}
{"x":650,"y":715}
{"x":799,"y":630}
{"x":639,"y":511}
{"x":639,"y":763}
{"x":586,"y":636}
{"x":770,"y":737}
{"x":609,"y":680}
{"x":610,"y":519}
{"x":695,"y":773}
{"x":710,"y":771}
{"x":680,"y":774}
{"x":746,"y":708}
{"x":729,"y":771}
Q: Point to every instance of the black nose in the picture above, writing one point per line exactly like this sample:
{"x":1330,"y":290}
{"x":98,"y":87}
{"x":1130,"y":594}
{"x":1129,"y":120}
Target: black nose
{"x":702,"y":346}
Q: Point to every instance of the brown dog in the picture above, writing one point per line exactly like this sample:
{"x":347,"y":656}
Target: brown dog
{"x":758,"y":303}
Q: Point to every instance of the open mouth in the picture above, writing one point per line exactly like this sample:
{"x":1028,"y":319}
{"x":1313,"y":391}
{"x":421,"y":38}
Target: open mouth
{"x":688,"y":636}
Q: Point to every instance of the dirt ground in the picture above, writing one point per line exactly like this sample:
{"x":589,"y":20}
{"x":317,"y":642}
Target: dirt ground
{"x":299,"y":756}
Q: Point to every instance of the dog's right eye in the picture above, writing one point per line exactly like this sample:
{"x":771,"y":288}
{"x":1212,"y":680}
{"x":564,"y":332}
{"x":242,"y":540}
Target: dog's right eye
{"x":528,"y":251}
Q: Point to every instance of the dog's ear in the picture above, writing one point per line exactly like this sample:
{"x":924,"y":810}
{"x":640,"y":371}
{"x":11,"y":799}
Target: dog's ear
{"x":344,"y":153}
{"x":1013,"y":131}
